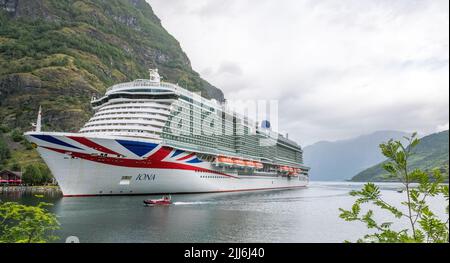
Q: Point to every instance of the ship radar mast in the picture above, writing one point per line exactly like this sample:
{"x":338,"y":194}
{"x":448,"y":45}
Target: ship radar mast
{"x":154,"y":75}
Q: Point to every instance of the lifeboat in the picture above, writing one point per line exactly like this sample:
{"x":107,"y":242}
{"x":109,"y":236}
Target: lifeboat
{"x":249,"y":163}
{"x":284,"y":169}
{"x":224,"y":160}
{"x":165,"y":200}
{"x":258,"y":165}
{"x":238,"y":162}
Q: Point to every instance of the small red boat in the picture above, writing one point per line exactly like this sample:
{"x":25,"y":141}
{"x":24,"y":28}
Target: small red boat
{"x":166,"y":200}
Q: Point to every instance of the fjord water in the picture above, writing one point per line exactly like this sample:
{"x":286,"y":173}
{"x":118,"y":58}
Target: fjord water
{"x":303,"y":215}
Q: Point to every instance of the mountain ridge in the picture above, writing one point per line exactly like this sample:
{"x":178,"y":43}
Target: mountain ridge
{"x":353,"y":138}
{"x":340,"y":160}
{"x":431,"y":153}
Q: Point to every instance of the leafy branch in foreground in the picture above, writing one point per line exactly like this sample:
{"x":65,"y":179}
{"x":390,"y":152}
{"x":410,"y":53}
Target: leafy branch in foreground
{"x":27,"y":224}
{"x":423,"y":224}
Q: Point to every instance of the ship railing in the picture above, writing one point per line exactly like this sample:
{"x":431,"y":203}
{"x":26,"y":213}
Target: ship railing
{"x":174,"y":87}
{"x":206,"y":150}
{"x":287,"y":162}
{"x":142,"y":83}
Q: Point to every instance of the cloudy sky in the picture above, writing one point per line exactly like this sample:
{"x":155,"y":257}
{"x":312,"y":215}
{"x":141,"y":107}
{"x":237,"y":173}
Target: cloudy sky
{"x":338,"y":68}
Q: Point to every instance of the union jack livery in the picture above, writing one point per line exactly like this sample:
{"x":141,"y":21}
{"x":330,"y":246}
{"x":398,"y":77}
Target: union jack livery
{"x":152,"y":137}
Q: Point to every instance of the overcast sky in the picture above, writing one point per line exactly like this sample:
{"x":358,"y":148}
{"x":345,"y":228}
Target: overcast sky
{"x":338,"y":68}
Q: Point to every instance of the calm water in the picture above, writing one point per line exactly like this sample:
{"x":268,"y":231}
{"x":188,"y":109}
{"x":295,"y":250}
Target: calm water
{"x":303,"y":215}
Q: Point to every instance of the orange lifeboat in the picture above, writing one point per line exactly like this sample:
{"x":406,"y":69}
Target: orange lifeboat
{"x":258,"y":165}
{"x":238,"y":162}
{"x":221,"y":159}
{"x":225,"y":160}
{"x":249,"y":163}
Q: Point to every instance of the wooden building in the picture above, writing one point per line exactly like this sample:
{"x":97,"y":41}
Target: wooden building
{"x":10,"y":177}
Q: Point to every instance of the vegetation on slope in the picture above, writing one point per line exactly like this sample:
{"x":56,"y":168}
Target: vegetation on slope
{"x":17,"y":154}
{"x":59,"y":53}
{"x":432,"y":153}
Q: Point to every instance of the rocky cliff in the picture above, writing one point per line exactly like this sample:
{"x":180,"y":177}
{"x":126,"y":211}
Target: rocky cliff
{"x":58,"y":53}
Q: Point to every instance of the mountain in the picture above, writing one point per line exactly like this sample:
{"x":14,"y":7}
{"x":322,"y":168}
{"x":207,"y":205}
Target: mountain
{"x":430,"y":153}
{"x":340,"y":160}
{"x":58,"y":53}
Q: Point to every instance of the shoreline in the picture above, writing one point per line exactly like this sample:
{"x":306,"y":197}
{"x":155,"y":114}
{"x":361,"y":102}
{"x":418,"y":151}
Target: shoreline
{"x":42,"y":189}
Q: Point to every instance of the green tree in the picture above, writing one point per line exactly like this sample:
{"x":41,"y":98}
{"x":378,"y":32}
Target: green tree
{"x":46,"y":175}
{"x":32,"y":175}
{"x":37,"y":174}
{"x":27,"y":224}
{"x":4,"y":151}
{"x":423,"y":224}
{"x":16,"y":167}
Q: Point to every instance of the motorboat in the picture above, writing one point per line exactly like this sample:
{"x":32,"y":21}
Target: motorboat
{"x":165,"y":200}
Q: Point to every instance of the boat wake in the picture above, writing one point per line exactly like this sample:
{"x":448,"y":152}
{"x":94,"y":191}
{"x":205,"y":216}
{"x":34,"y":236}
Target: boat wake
{"x":191,"y":203}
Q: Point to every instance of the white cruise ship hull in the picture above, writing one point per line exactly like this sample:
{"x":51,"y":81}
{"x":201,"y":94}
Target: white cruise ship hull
{"x":89,"y":166}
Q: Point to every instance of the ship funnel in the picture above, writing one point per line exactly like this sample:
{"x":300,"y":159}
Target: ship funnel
{"x":154,"y":75}
{"x":265,"y":124}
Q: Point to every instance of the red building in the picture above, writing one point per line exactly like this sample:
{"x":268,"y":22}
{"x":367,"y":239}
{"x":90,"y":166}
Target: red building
{"x":9,"y":177}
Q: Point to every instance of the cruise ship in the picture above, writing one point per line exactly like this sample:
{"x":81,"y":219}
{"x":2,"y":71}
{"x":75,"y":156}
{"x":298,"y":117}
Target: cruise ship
{"x":153,"y":137}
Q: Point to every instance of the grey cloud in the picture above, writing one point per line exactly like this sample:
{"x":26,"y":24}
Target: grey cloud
{"x":232,"y":68}
{"x":216,"y":8}
{"x":338,"y":68}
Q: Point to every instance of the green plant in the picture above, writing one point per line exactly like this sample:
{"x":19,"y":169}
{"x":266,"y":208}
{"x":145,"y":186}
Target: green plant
{"x":27,"y":145}
{"x":46,"y":175}
{"x":423,"y":224}
{"x":4,"y":129}
{"x":16,"y":135}
{"x":16,"y":167}
{"x":27,"y":224}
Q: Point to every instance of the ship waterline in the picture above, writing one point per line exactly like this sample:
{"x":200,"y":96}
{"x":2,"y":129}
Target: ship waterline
{"x":149,"y":137}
